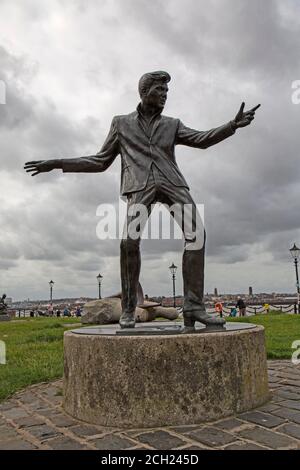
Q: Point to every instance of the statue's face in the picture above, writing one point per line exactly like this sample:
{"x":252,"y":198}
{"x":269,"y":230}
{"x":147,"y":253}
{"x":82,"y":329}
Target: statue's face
{"x":156,"y":96}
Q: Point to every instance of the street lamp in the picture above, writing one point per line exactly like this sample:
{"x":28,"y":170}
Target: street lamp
{"x":173,"y":270}
{"x":295,"y":252}
{"x":51,"y":284}
{"x":99,"y":279}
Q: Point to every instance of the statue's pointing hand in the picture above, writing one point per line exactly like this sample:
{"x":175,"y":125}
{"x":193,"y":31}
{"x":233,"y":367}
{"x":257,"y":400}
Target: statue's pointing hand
{"x":39,"y":166}
{"x":243,"y":119}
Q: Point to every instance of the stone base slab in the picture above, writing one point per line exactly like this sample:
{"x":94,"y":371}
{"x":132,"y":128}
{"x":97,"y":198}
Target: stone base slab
{"x":152,"y":381}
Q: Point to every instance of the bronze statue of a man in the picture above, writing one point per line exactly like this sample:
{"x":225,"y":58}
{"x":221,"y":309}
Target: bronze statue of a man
{"x":146,"y":141}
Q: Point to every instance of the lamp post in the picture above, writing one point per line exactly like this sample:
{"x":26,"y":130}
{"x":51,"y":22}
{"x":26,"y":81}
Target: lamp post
{"x":51,"y":284}
{"x":295,"y":252}
{"x":99,"y":279}
{"x":173,"y":270}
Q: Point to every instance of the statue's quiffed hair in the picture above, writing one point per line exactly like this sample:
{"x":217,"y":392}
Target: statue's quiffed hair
{"x":147,"y":80}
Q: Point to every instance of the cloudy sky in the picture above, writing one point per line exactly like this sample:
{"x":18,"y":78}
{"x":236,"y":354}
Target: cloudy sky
{"x":69,"y":66}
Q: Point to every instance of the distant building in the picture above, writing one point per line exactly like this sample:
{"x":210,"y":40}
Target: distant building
{"x":216,"y":292}
{"x":250,"y":292}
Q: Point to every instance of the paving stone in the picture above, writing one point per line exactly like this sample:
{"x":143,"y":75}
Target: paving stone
{"x":269,"y":438}
{"x":58,"y":384}
{"x":242,"y":445}
{"x":84,"y":431}
{"x":16,"y":444}
{"x":277,"y":400}
{"x":112,"y":442}
{"x":180,"y":429}
{"x":38,"y":405}
{"x":160,"y":440}
{"x":290,"y":429}
{"x":269,"y":407}
{"x":8,"y":405}
{"x":7,"y":432}
{"x":15,"y":413}
{"x":291,"y":369}
{"x":62,"y":421}
{"x":211,"y":436}
{"x":274,"y":379}
{"x":48,"y":412}
{"x":52,"y":391}
{"x":275,"y":386}
{"x":287,"y":413}
{"x":27,"y":398}
{"x":129,"y":433}
{"x":264,"y":419}
{"x":65,"y":443}
{"x":54,"y":400}
{"x":28,"y":421}
{"x":43,"y":432}
{"x":287,"y":394}
{"x":295,"y":405}
{"x":286,"y":376}
{"x":194,"y":448}
{"x":278,"y":365}
{"x":229,"y":424}
{"x":294,"y":383}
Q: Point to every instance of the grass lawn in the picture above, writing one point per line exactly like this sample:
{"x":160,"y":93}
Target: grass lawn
{"x":280,"y":330}
{"x":34,"y":346}
{"x":34,"y":352}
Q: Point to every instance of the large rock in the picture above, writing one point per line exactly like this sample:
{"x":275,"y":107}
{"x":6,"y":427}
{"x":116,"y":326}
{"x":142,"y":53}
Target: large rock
{"x":108,"y":310}
{"x":102,"y":312}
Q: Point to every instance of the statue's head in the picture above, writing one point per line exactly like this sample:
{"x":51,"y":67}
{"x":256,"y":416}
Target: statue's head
{"x":153,"y":88}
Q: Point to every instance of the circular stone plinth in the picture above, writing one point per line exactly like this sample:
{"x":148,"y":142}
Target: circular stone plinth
{"x":163,"y":380}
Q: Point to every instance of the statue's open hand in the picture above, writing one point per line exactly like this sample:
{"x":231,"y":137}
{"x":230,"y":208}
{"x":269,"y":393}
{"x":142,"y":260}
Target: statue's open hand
{"x":243,"y":119}
{"x":39,"y":166}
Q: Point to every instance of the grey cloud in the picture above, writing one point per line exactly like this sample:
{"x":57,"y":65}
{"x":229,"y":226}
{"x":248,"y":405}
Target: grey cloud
{"x":6,"y":264}
{"x":218,"y":53}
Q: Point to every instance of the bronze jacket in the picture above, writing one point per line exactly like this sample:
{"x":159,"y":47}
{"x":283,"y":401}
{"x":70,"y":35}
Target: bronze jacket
{"x":139,"y":149}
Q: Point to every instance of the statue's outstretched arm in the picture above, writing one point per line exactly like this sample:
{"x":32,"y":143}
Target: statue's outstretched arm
{"x":90,"y":164}
{"x":204,"y":139}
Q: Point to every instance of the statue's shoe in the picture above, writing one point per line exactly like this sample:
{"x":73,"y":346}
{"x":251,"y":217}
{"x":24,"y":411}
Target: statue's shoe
{"x":190,"y":317}
{"x":127,"y":320}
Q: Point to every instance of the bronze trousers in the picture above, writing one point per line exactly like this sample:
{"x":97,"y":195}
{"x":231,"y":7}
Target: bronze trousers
{"x":159,"y":189}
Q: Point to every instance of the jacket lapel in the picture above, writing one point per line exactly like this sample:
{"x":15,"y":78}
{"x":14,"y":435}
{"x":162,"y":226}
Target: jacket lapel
{"x":155,"y":126}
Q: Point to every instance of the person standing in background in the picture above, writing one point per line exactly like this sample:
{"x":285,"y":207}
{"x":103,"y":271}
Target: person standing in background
{"x":219,"y":308}
{"x":241,"y":306}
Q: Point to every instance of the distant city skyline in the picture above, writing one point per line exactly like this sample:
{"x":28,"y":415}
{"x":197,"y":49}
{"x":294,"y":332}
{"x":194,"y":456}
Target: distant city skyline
{"x":207,"y":294}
